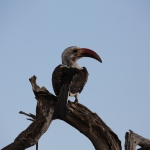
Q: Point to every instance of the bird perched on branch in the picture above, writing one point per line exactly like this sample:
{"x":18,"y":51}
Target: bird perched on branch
{"x":69,"y":79}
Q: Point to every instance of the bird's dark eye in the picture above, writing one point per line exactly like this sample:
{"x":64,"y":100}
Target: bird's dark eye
{"x":74,"y":51}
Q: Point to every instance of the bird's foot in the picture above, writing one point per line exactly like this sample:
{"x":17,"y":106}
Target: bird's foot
{"x":76,"y":101}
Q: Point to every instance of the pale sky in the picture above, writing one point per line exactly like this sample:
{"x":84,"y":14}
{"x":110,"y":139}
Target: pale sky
{"x":33,"y":35}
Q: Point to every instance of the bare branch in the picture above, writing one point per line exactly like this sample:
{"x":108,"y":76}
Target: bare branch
{"x":78,"y":116}
{"x":29,"y":115}
{"x":40,"y":124}
{"x":92,"y":126}
{"x":133,"y":139}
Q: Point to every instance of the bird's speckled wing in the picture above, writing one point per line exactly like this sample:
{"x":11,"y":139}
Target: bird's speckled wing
{"x":57,"y":78}
{"x":76,"y":78}
{"x":78,"y":81}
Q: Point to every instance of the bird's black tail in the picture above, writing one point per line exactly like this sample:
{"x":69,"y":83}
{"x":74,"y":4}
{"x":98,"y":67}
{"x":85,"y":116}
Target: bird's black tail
{"x":60,"y":108}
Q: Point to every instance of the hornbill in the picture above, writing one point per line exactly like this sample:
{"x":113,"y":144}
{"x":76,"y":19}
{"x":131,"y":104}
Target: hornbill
{"x":69,"y":79}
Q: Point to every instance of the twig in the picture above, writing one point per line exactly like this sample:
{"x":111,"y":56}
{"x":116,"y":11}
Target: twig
{"x":29,"y":115}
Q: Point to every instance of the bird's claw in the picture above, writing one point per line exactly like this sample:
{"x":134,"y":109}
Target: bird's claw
{"x":76,"y":101}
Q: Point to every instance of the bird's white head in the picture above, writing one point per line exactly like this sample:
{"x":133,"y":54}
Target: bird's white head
{"x":73,"y":53}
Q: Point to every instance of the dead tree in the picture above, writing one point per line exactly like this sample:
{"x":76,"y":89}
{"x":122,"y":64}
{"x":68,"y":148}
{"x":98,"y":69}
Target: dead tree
{"x":78,"y":116}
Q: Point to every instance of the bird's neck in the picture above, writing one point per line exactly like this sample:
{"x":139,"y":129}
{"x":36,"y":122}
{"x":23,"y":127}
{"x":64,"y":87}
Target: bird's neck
{"x":75,"y":65}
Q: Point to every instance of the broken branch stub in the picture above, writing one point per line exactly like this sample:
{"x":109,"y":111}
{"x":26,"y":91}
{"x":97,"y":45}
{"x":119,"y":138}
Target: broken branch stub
{"x":132,"y":140}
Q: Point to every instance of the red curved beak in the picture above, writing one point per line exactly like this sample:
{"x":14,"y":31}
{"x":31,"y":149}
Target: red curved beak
{"x":85,"y":52}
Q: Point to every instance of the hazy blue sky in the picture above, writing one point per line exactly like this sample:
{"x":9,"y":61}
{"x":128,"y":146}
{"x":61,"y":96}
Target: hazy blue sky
{"x":34,"y":33}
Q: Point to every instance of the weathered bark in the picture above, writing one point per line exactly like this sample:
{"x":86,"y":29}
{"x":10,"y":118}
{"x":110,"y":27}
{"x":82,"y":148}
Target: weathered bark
{"x":44,"y":111}
{"x":78,"y":116}
{"x":132,"y":140}
{"x":90,"y":124}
